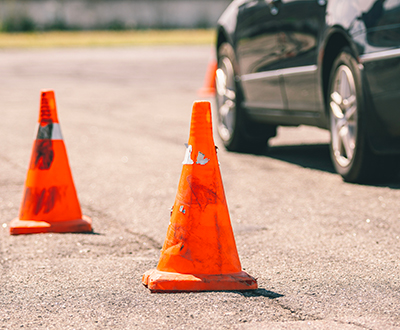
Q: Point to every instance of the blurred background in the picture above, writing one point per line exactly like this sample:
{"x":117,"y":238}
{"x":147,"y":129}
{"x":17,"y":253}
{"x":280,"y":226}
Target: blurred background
{"x":45,"y":15}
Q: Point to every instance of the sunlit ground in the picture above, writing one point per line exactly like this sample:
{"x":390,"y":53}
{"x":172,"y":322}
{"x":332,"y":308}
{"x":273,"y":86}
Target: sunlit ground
{"x":106,"y":38}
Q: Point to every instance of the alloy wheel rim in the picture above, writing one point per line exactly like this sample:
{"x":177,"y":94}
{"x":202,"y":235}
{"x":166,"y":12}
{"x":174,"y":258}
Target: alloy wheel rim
{"x":343,"y":113}
{"x":226,"y":98}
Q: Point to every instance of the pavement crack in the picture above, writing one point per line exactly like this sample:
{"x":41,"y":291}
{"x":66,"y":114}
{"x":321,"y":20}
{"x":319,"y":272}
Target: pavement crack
{"x":298,"y":314}
{"x":146,"y":239}
{"x":362,"y":326}
{"x":13,"y":163}
{"x":95,"y":212}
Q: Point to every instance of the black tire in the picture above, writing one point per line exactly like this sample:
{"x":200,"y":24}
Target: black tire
{"x":350,"y":151}
{"x":236,"y":130}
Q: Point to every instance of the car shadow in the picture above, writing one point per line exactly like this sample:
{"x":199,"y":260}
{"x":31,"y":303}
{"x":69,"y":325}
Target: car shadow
{"x":314,"y":156}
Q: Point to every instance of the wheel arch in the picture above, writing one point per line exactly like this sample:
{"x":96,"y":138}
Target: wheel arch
{"x":223,"y":37}
{"x":336,"y":41}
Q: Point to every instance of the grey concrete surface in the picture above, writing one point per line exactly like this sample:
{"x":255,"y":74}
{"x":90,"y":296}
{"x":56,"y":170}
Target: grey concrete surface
{"x":325,"y":253}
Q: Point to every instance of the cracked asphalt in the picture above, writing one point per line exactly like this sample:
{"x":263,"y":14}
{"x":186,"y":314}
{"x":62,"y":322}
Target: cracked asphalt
{"x":325,"y":252}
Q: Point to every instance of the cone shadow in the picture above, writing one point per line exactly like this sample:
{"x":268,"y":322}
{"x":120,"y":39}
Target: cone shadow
{"x":249,"y":293}
{"x":90,"y":233}
{"x":260,"y":293}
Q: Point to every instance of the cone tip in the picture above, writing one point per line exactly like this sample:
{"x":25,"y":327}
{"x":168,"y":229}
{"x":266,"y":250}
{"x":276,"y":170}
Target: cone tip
{"x":48,"y":109}
{"x":202,"y":108}
{"x":47,"y":90}
{"x":201,"y":125}
{"x":202,"y":103}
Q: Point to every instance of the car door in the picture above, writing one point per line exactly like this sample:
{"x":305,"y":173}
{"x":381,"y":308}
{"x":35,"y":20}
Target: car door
{"x":259,"y":52}
{"x":302,"y":21}
{"x":381,"y":58}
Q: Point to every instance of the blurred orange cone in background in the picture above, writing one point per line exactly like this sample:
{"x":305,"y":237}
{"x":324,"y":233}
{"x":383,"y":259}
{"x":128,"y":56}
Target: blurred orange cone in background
{"x":209,"y":80}
{"x":50,"y":202}
{"x":199,"y":252}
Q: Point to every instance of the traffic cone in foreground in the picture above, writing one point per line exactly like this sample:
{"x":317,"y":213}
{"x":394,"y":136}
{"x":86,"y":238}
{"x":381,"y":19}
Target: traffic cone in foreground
{"x":49,"y":202}
{"x":209,"y":80}
{"x":199,"y":252}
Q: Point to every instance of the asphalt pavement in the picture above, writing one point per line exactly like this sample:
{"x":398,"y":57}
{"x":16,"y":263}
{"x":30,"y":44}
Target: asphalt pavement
{"x":325,"y":252}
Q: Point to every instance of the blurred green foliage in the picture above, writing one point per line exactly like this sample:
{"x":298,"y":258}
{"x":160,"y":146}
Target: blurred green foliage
{"x":18,"y":23}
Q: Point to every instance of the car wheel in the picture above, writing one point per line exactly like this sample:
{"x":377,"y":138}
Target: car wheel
{"x":236,"y":130}
{"x":352,"y":156}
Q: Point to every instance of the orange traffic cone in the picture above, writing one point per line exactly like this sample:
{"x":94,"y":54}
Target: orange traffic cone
{"x":209,"y":80}
{"x":49,"y":202}
{"x":199,"y":252}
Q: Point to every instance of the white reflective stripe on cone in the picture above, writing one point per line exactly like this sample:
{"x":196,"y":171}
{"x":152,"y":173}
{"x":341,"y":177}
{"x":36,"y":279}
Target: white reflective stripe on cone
{"x":50,"y":131}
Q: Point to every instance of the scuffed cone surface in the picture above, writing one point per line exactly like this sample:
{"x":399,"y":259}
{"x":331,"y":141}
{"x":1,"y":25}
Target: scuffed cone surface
{"x":199,"y":252}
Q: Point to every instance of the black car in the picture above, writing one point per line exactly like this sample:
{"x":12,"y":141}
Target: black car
{"x":333,"y":64}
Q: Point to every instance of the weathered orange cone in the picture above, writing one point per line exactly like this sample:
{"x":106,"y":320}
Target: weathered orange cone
{"x":199,"y":252}
{"x":209,"y":80}
{"x":49,"y":202}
